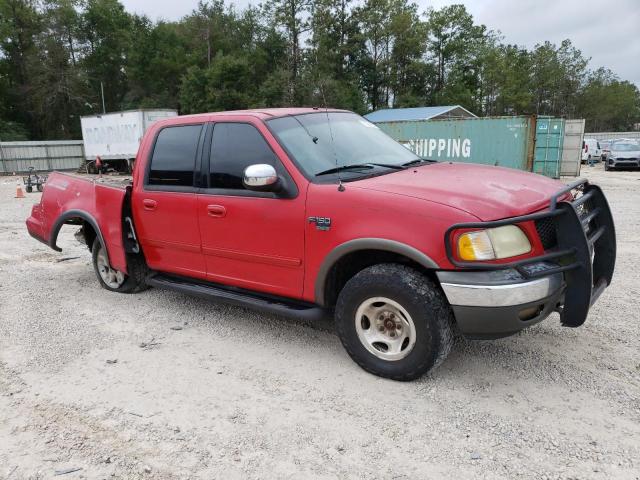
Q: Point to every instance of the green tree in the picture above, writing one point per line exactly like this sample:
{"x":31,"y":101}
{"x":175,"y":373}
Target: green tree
{"x":407,"y":75}
{"x":292,"y":16}
{"x":105,"y":36}
{"x":20,"y":23}
{"x":374,"y":25}
{"x":156,"y":60}
{"x":335,"y":44}
{"x":55,"y":54}
{"x":225,"y":85}
{"x":505,"y":79}
{"x":12,"y":131}
{"x":608,"y":104}
{"x":59,"y":91}
{"x":454,"y":43}
{"x":557,"y":73}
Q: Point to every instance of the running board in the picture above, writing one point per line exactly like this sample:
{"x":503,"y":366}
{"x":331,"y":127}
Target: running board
{"x":238,"y":297}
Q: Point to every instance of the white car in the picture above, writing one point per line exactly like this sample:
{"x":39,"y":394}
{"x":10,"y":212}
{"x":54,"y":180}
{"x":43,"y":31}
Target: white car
{"x":591,"y":150}
{"x":624,"y":153}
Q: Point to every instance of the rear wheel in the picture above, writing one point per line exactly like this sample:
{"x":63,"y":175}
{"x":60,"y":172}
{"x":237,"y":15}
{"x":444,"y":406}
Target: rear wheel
{"x":394,"y":322}
{"x":115,"y":280}
{"x":29,"y":188}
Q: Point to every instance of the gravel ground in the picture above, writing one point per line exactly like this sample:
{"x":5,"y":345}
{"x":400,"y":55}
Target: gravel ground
{"x":159,"y":385}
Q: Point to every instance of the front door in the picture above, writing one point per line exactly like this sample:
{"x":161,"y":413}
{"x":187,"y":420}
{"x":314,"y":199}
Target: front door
{"x":165,"y":209}
{"x":253,"y":240}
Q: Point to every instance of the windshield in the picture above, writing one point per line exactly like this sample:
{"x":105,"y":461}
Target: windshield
{"x":625,"y":147}
{"x":308,"y":138}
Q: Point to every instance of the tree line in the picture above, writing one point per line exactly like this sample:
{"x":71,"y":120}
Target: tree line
{"x":57,"y":55}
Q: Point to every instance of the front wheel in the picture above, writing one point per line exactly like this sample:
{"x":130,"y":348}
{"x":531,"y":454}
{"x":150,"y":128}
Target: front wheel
{"x":394,"y":322}
{"x":115,"y":280}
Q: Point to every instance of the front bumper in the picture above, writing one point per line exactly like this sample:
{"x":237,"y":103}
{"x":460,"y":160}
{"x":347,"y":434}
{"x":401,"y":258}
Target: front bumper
{"x":499,"y":303}
{"x":495,"y":300}
{"x":623,"y":162}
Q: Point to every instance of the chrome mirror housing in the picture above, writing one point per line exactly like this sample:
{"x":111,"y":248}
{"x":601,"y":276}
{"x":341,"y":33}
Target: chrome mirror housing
{"x":261,"y":177}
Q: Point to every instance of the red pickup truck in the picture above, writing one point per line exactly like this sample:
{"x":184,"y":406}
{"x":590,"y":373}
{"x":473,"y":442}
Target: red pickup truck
{"x":305,"y":212}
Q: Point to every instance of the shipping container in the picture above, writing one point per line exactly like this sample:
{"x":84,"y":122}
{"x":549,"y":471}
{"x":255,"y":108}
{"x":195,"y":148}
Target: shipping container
{"x":530,"y":143}
{"x":572,"y":148}
{"x":116,"y":136}
{"x":549,"y":139}
{"x":43,"y":156}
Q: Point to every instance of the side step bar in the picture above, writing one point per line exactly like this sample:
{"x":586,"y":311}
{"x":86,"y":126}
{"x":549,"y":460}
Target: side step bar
{"x":264,"y":303}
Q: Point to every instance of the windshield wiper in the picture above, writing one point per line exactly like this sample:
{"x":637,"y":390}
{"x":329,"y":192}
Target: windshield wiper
{"x":417,"y":161}
{"x":355,"y":166}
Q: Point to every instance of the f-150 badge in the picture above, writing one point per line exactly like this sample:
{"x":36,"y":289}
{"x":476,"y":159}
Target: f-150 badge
{"x":322,"y":223}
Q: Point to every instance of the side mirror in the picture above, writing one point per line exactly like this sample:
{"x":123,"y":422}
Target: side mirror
{"x":261,"y":177}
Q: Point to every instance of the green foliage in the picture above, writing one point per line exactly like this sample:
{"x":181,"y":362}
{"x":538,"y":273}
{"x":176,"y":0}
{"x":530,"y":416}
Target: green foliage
{"x":225,"y":85}
{"x":608,"y":104}
{"x":12,"y":131}
{"x":56,"y":54}
{"x":454,"y":43}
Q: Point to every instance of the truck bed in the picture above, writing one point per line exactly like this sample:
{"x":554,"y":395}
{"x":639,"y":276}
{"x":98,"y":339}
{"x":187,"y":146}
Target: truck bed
{"x":115,"y":181}
{"x":87,"y":200}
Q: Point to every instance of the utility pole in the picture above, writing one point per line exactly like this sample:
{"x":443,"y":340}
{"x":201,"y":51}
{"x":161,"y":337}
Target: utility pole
{"x":104,"y":110}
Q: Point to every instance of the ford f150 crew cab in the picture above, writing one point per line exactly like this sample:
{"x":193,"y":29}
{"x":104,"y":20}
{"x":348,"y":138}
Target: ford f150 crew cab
{"x":306,"y":212}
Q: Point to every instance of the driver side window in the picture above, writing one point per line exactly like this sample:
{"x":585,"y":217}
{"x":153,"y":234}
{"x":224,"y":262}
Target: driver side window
{"x":234,"y":147}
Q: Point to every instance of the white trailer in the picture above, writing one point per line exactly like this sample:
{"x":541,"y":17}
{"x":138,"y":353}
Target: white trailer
{"x":116,"y":136}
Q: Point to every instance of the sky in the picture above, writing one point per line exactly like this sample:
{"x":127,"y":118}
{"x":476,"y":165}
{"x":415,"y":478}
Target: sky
{"x":607,"y":32}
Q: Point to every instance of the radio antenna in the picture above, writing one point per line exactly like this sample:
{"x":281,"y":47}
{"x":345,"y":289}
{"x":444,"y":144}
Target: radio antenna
{"x":333,"y":147}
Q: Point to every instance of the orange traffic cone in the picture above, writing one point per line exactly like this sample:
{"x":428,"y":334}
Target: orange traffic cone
{"x":19,"y":192}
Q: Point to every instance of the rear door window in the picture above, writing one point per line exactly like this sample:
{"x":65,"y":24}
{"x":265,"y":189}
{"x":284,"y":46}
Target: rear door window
{"x":235,"y":146}
{"x":174,"y":156}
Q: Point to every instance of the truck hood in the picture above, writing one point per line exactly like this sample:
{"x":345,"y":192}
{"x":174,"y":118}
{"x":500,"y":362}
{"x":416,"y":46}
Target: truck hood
{"x":487,"y":192}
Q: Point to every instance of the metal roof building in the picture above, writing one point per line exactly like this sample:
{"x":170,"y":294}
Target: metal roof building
{"x":419,"y":113}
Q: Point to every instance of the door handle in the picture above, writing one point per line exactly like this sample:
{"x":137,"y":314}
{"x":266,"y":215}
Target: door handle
{"x":149,"y":204}
{"x":216,"y":211}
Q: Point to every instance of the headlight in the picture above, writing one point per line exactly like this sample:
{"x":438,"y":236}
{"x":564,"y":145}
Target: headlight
{"x":493,"y":243}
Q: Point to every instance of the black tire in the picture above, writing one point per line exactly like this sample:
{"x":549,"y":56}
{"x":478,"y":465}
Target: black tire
{"x":133,"y":282}
{"x":421,"y":299}
{"x":29,"y":188}
{"x":39,"y":187}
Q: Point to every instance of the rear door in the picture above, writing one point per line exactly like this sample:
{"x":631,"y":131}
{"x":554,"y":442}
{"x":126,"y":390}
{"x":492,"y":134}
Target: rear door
{"x":253,"y":240}
{"x":165,"y":207}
